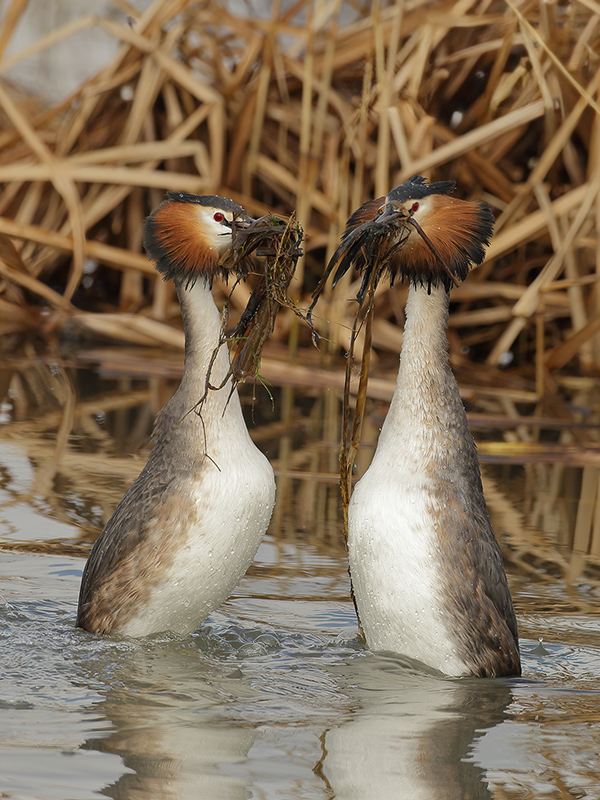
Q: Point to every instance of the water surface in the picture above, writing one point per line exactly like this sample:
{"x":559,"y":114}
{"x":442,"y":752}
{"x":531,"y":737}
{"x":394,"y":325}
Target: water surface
{"x":275,"y":695}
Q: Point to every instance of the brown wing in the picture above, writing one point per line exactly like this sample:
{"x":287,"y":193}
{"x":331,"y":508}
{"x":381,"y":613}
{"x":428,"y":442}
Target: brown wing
{"x":134,"y":549}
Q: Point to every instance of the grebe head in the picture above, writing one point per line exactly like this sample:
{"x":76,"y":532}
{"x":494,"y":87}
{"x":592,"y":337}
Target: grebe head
{"x":446,"y":236}
{"x":190,"y":235}
{"x":417,"y":232}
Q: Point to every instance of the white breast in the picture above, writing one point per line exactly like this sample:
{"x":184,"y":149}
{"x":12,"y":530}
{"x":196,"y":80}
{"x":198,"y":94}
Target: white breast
{"x":230,"y":510}
{"x":391,"y":543}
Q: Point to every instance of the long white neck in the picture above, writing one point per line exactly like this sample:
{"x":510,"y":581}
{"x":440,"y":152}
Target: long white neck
{"x":427,"y":422}
{"x":202,"y":326}
{"x":219,"y":415}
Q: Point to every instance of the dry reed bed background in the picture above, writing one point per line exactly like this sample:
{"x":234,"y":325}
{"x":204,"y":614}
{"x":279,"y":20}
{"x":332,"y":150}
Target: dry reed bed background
{"x":313,"y":110}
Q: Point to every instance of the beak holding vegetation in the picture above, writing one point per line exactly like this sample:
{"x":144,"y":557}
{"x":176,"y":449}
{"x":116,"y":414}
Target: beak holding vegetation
{"x":416,"y":233}
{"x":277,"y":241}
{"x":202,"y":236}
{"x":372,"y":235}
{"x":190,"y":236}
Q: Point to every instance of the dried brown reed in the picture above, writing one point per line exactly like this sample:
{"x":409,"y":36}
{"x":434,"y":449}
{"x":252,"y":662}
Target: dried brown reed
{"x":312,"y":110}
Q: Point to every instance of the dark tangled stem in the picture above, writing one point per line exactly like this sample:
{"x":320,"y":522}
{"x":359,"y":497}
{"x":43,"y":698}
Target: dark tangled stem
{"x":278,"y":243}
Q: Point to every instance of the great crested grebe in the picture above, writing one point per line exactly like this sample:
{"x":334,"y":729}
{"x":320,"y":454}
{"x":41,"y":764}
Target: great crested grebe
{"x":427,"y":572}
{"x":189,"y":526}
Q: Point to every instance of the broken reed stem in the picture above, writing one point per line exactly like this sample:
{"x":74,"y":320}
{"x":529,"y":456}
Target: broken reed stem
{"x":348,"y":451}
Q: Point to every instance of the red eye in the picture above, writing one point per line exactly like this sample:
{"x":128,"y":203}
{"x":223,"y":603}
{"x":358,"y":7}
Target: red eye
{"x":219,"y":217}
{"x":414,"y":207}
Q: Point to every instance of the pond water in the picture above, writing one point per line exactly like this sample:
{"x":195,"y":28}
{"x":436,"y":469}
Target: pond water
{"x":275,"y":695}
